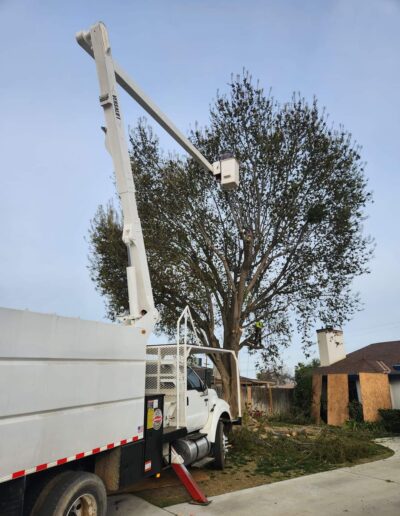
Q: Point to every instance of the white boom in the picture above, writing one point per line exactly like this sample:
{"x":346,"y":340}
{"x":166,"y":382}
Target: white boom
{"x":96,"y":43}
{"x":141,"y":301}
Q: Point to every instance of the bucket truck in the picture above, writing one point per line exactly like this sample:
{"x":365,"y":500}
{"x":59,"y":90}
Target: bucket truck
{"x":86,"y":407}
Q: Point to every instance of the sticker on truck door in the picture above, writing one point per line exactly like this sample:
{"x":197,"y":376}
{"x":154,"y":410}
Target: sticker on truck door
{"x":150,"y":417}
{"x":157,"y":419}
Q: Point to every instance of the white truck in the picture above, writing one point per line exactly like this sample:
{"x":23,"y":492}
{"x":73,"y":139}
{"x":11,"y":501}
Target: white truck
{"x":89,"y":407}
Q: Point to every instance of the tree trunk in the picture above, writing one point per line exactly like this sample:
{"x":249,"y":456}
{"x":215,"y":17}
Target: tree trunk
{"x":229,"y":384}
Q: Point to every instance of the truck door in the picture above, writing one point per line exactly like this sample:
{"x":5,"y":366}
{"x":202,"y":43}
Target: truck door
{"x":197,"y":406}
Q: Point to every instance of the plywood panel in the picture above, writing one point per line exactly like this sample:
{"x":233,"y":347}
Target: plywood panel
{"x":375,"y":394}
{"x":316,"y":398}
{"x":338,"y":399}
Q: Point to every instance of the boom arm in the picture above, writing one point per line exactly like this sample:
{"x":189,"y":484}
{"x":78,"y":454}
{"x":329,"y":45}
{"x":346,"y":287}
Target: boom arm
{"x":139,"y":287}
{"x":122,"y":78}
{"x":96,"y":43}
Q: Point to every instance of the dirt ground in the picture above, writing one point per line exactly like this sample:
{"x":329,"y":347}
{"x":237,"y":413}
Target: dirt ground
{"x":284,"y":450}
{"x":167,"y":490}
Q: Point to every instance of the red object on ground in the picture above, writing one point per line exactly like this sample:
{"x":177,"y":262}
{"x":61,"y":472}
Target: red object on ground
{"x":190,"y":485}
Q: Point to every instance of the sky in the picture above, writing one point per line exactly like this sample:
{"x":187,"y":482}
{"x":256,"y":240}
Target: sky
{"x":54,"y":170}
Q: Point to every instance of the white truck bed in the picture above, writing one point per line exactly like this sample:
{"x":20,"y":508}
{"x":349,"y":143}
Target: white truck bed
{"x":68,"y":387}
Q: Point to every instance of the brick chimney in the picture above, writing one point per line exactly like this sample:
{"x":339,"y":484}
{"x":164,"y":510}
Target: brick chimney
{"x":331,"y":346}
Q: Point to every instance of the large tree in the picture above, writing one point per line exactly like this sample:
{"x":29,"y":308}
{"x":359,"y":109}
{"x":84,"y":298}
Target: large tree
{"x":276,"y":256}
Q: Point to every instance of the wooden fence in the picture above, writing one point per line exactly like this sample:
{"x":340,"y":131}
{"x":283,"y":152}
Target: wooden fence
{"x":271,"y":400}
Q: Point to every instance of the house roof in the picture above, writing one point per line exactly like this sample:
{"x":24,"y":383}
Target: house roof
{"x":375,"y":358}
{"x":255,"y":381}
{"x":248,"y":381}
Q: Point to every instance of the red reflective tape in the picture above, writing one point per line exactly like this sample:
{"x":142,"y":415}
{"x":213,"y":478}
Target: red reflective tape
{"x":64,"y":460}
{"x":18,"y":474}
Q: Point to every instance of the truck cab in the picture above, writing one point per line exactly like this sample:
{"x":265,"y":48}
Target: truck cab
{"x":196,"y":420}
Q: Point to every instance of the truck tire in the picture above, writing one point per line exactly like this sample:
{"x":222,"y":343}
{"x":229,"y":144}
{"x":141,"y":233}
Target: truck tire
{"x":72,"y":493}
{"x":219,"y":447}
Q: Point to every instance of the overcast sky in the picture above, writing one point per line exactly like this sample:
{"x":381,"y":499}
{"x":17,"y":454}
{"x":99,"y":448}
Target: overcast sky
{"x":54,"y":170}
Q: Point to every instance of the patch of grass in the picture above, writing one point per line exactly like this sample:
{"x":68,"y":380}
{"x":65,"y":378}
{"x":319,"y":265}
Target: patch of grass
{"x":366,"y":429}
{"x":283,"y":455}
{"x":390,"y":419}
{"x":290,"y":418}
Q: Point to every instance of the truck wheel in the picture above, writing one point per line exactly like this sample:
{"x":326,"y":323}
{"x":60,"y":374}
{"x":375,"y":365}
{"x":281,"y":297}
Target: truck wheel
{"x":219,"y":447}
{"x":72,"y":493}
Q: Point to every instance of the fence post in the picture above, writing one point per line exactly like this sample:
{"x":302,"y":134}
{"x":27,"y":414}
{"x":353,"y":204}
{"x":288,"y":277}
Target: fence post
{"x":249,"y":395}
{"x":270,"y":399}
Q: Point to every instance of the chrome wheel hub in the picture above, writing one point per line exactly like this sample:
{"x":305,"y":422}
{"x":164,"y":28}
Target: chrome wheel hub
{"x":85,"y":505}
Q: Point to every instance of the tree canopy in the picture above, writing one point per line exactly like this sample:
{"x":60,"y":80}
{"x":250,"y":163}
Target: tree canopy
{"x":281,"y":251}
